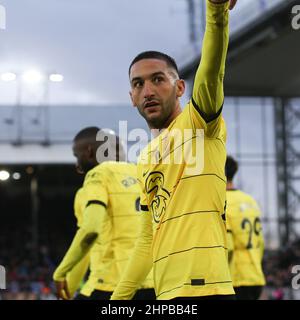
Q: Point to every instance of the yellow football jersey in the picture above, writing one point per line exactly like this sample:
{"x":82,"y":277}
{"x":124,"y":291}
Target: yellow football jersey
{"x":114,"y":185}
{"x":187,"y":198}
{"x":189,"y":242}
{"x":244,"y":224}
{"x":183,"y":184}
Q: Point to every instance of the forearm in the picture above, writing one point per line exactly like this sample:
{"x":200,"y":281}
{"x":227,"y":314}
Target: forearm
{"x":76,"y":275}
{"x":80,"y":246}
{"x":208,"y":91}
{"x":139,"y":265}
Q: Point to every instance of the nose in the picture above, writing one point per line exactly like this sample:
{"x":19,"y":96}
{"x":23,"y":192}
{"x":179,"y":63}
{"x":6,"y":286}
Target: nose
{"x":148,"y":90}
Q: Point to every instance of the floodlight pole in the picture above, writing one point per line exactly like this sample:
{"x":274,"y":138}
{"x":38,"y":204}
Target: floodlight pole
{"x":46,"y":112}
{"x":287,"y":135}
{"x":34,"y":215}
{"x":19,"y":124}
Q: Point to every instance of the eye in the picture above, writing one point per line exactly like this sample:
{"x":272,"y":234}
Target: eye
{"x":137,"y":84}
{"x":158,"y":79}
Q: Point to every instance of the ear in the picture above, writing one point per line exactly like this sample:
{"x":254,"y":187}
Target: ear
{"x":132,"y":99}
{"x":90,"y":151}
{"x":180,"y":88}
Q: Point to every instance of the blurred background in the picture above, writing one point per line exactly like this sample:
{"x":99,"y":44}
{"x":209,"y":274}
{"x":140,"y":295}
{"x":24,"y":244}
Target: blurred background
{"x":64,"y":66}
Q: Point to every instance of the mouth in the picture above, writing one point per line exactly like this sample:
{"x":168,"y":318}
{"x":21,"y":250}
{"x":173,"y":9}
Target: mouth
{"x":151,"y":104}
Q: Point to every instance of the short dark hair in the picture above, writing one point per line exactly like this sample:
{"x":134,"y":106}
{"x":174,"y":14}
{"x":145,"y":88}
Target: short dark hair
{"x":231,"y":167}
{"x":87,"y":133}
{"x":155,"y":55}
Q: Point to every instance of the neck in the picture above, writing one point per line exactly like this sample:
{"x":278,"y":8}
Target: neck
{"x":174,"y":115}
{"x":230,"y":185}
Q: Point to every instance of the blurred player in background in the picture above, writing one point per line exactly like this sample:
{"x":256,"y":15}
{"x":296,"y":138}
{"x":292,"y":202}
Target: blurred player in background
{"x":188,"y":248}
{"x":245,"y":238}
{"x":110,"y":221}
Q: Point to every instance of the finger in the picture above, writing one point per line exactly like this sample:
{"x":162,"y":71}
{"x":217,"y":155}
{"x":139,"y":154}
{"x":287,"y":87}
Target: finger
{"x":58,"y":289}
{"x":62,"y":295}
{"x":67,"y":292}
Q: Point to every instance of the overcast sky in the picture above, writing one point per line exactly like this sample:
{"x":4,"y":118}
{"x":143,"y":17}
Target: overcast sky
{"x":92,"y":43}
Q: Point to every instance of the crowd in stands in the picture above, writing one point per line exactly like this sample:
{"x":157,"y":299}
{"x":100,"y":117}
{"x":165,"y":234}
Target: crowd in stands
{"x":28,"y":268}
{"x":278,"y":271}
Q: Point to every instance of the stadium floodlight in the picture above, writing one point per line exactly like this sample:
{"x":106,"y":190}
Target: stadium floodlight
{"x":4,"y":175}
{"x":56,"y":77}
{"x":8,"y":76}
{"x":16,"y":176}
{"x":32,"y":76}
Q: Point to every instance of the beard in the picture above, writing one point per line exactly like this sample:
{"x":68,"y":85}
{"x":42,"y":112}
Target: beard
{"x":161,"y":118}
{"x":86,"y":167}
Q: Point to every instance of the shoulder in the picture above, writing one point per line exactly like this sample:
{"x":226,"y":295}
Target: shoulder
{"x":79,"y":196}
{"x":96,"y":173}
{"x":110,"y":170}
{"x":237,"y":200}
{"x":79,"y":193}
{"x":192,"y":118}
{"x":118,"y":166}
{"x":246,"y":201}
{"x":233,"y":194}
{"x":247,"y":197}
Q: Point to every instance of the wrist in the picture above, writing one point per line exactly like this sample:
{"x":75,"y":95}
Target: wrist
{"x":58,"y":277}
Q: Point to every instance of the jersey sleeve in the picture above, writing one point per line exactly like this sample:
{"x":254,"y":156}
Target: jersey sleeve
{"x":96,"y":187}
{"x":78,"y":206}
{"x":76,"y":275}
{"x":208,"y":93}
{"x":140,"y":263}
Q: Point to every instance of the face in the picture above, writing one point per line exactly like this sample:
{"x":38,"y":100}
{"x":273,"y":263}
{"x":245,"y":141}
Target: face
{"x":155,"y":91}
{"x":83,"y":153}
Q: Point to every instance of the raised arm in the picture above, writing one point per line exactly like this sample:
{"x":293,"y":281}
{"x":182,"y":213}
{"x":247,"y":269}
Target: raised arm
{"x":208,"y":94}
